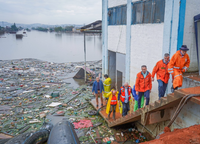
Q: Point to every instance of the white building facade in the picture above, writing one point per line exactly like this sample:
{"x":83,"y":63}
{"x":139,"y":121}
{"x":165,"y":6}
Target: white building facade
{"x":139,"y":32}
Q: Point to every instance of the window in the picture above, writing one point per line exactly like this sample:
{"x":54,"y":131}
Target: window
{"x":117,"y":15}
{"x":149,"y":11}
{"x":159,"y":11}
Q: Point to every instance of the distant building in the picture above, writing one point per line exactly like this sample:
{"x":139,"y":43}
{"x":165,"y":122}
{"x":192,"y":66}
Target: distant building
{"x":93,"y":26}
{"x":75,"y":30}
{"x":139,"y":32}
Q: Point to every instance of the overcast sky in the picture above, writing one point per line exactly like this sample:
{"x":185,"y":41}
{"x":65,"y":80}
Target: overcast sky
{"x":50,"y":11}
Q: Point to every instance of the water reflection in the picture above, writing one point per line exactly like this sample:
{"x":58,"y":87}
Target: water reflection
{"x":65,"y":47}
{"x":59,"y":35}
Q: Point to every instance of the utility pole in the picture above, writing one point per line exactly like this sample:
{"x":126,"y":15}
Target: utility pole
{"x":85,"y":55}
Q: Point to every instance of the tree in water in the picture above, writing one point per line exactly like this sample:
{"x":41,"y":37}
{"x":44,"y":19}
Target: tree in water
{"x":14,"y":28}
{"x":58,"y":29}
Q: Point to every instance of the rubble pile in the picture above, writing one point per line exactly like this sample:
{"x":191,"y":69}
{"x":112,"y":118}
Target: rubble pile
{"x":34,"y":91}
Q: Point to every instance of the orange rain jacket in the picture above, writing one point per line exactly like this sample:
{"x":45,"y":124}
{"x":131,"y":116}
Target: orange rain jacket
{"x":161,"y":71}
{"x":177,"y":65}
{"x":143,"y":84}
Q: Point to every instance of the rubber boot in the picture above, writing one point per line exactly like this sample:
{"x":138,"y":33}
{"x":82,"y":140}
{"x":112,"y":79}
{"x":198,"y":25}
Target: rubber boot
{"x":109,"y":116}
{"x":113,"y":115}
{"x":172,"y":89}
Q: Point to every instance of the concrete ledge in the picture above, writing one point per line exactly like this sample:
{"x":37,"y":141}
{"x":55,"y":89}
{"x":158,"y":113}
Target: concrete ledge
{"x":159,"y":111}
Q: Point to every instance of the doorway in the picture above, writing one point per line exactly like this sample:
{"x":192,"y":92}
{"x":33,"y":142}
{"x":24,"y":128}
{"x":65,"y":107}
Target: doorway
{"x":119,"y":80}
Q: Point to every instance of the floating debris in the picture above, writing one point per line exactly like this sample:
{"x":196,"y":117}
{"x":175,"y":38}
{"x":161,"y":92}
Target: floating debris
{"x":34,"y":91}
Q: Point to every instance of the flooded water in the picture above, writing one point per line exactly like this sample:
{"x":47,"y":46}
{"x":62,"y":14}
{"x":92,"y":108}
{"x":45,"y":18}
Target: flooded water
{"x":53,"y":47}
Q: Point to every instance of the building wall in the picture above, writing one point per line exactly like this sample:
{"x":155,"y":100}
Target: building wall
{"x":113,"y":3}
{"x":112,"y":67}
{"x":117,"y":38}
{"x":146,"y":49}
{"x":146,"y":45}
{"x":117,"y":42}
{"x":192,"y":9}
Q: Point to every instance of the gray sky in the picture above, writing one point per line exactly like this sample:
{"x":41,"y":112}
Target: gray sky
{"x":50,"y":11}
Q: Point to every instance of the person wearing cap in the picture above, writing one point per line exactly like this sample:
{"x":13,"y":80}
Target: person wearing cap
{"x":179,"y":64}
{"x":161,"y":71}
{"x":106,"y":85}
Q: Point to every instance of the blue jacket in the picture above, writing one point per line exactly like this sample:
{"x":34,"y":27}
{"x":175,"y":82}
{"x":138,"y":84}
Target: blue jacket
{"x":94,"y":89}
{"x":134,"y":93}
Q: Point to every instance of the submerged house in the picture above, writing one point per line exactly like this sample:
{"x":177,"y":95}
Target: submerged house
{"x":140,"y":32}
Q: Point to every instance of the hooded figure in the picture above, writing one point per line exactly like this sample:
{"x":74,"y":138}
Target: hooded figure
{"x":112,"y":104}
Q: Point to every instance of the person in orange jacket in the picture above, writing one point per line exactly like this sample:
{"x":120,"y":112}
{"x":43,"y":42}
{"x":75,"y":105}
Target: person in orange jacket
{"x":161,"y":71}
{"x":178,"y":64}
{"x":143,"y":85}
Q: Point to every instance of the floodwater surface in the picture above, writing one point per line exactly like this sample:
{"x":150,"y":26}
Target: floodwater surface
{"x":52,"y":47}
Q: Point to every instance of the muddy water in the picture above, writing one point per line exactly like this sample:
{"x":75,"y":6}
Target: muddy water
{"x":53,"y":47}
{"x":75,"y":83}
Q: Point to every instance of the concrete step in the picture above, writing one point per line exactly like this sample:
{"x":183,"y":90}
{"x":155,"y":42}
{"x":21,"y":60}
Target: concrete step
{"x":154,"y":109}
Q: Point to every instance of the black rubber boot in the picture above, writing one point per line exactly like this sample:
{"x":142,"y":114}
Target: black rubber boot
{"x":176,"y":88}
{"x":109,"y":116}
{"x":172,"y":89}
{"x":113,"y":115}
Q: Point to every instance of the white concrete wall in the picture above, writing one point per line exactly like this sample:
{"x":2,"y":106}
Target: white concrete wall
{"x":192,"y":9}
{"x":114,"y":3}
{"x":146,"y":49}
{"x":117,"y":38}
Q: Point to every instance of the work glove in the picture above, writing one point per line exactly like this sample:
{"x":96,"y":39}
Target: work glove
{"x":183,"y":70}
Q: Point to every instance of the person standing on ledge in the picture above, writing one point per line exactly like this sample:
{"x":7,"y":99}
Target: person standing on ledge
{"x":98,"y":89}
{"x":112,"y":104}
{"x":179,"y":64}
{"x":107,"y":85}
{"x":161,"y":71}
{"x":125,"y":96}
{"x":136,"y":99}
{"x":143,"y":85}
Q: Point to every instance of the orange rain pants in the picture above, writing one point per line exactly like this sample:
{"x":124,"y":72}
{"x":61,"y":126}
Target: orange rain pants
{"x":177,"y":65}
